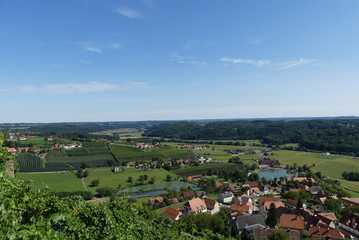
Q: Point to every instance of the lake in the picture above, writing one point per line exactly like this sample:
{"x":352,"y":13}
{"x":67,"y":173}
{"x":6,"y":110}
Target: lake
{"x":153,"y":189}
{"x":272,"y":173}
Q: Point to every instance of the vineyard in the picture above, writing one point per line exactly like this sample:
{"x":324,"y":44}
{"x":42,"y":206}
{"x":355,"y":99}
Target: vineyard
{"x":28,"y":162}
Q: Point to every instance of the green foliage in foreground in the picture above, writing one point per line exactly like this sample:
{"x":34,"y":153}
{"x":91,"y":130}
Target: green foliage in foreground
{"x":25,"y":214}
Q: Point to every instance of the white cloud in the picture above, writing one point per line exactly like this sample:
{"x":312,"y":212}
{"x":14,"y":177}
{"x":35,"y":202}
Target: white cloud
{"x":114,"y":45}
{"x":290,"y":64}
{"x":75,"y":88}
{"x":189,"y":45}
{"x":130,"y":13}
{"x":92,"y":49}
{"x":186,"y":59}
{"x":249,"y":61}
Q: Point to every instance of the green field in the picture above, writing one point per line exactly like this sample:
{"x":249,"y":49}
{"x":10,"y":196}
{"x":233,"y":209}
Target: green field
{"x":334,"y":167}
{"x":58,"y":181}
{"x":199,"y":170}
{"x":108,"y":178}
{"x":287,"y":157}
{"x":218,"y":151}
{"x":131,"y":154}
{"x":351,"y":188}
{"x":28,"y":161}
{"x":55,"y":181}
{"x":95,"y":160}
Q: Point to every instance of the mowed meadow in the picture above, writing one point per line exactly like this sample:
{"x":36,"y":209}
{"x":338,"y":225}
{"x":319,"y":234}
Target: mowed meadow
{"x":68,"y":181}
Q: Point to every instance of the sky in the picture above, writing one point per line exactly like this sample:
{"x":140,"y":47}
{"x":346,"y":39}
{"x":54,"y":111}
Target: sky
{"x":134,"y":60}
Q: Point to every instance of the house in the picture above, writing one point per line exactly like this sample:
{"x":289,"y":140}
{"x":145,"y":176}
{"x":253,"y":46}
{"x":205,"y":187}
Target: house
{"x":189,"y":194}
{"x":290,"y":221}
{"x":156,"y":200}
{"x":174,"y":200}
{"x":309,"y":219}
{"x":233,"y":188}
{"x":327,"y":219}
{"x":130,"y":164}
{"x":172,"y":213}
{"x":350,"y":201}
{"x":49,"y":138}
{"x":218,"y":184}
{"x":291,"y":203}
{"x":325,"y":233}
{"x":249,"y":222}
{"x":212,"y":206}
{"x":241,"y":208}
{"x":12,"y":150}
{"x":194,"y":178}
{"x":250,"y":184}
{"x":225,"y":197}
{"x":255,"y":191}
{"x":263,"y":209}
{"x":242,"y":200}
{"x":349,"y":222}
{"x":266,"y":198}
{"x":301,"y":179}
{"x":264,"y":233}
{"x":314,"y":190}
{"x":195,"y":206}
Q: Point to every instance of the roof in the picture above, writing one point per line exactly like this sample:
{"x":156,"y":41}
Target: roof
{"x":251,"y":184}
{"x":172,"y":213}
{"x":315,"y":189}
{"x":188,"y":194}
{"x":245,"y":221}
{"x":260,"y":233}
{"x":292,"y":221}
{"x":330,"y":215}
{"x":156,"y":199}
{"x":226,"y":194}
{"x":292,"y":202}
{"x":265,"y":198}
{"x":196,"y":204}
{"x":218,"y":184}
{"x":309,"y":220}
{"x":277,"y":204}
{"x":354,"y":201}
{"x":351,"y":220}
{"x":301,"y":179}
{"x":322,"y":232}
{"x":255,"y":189}
{"x":210,"y":203}
{"x":174,"y":200}
{"x":236,"y":207}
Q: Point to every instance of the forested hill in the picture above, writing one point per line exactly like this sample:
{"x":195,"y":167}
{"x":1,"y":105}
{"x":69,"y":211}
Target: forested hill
{"x":339,"y":135}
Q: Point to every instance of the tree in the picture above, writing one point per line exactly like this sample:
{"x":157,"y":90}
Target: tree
{"x":85,"y":174}
{"x":278,"y":235}
{"x":168,"y":178}
{"x":272,"y":218}
{"x":80,"y":173}
{"x":95,"y":182}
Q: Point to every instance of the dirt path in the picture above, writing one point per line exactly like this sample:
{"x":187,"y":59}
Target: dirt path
{"x":83,"y":183}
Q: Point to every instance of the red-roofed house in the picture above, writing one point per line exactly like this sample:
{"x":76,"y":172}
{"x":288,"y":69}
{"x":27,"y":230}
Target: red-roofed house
{"x":189,"y":194}
{"x":156,"y":200}
{"x":325,"y":233}
{"x":195,"y":206}
{"x":290,"y":221}
{"x":172,"y":213}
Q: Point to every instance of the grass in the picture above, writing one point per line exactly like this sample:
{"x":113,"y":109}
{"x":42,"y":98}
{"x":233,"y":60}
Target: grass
{"x":199,"y":170}
{"x":132,"y":154}
{"x":287,"y":157}
{"x":55,"y":181}
{"x":93,"y":160}
{"x":334,"y":167}
{"x":108,"y":178}
{"x":351,"y":188}
{"x":58,"y":181}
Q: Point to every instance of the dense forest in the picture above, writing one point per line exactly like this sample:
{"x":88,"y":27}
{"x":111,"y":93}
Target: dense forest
{"x":338,"y":135}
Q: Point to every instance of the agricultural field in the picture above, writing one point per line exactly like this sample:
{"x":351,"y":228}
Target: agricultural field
{"x":199,"y":170}
{"x":132,"y":154}
{"x":123,"y":133}
{"x":28,"y":162}
{"x":89,"y":148}
{"x":56,"y":181}
{"x":353,"y":189}
{"x":94,"y":160}
{"x":335,"y":166}
{"x":287,"y":157}
{"x":217,"y":152}
{"x":108,"y":178}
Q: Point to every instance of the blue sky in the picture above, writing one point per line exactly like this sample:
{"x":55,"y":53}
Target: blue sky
{"x":119,"y":60}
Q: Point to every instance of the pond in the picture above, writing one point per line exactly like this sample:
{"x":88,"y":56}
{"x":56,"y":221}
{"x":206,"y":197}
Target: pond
{"x":153,"y":188}
{"x":272,"y":173}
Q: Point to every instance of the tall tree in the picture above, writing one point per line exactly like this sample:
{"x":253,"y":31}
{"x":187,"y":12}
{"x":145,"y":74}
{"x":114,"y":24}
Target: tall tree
{"x":272,"y":218}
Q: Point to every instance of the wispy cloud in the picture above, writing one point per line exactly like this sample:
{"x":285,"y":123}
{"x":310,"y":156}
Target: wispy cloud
{"x":248,"y":61}
{"x":114,"y":45}
{"x":295,"y":63}
{"x":189,"y":45}
{"x":92,"y":49}
{"x":186,"y":59}
{"x":75,"y":88}
{"x":130,"y":13}
{"x":198,"y":44}
{"x":149,"y":3}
